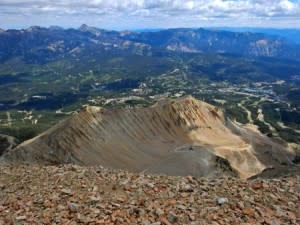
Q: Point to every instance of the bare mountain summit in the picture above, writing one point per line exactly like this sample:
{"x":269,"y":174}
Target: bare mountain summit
{"x":182,"y":137}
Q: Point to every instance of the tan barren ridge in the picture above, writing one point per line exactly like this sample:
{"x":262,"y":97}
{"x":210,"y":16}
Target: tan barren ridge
{"x":181,"y":137}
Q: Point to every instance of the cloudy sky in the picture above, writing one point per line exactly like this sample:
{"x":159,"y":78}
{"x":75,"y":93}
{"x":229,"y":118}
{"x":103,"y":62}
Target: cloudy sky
{"x":137,"y":14}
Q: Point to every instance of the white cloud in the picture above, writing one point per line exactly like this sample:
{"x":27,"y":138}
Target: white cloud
{"x":151,"y":12}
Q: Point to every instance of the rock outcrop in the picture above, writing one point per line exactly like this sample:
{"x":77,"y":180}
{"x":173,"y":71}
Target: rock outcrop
{"x":179,"y":137}
{"x":7,"y":143}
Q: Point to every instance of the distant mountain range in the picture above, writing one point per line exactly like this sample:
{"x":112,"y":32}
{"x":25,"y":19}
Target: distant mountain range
{"x":290,"y":34}
{"x":38,"y":44}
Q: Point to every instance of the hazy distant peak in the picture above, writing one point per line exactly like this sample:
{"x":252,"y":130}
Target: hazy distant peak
{"x":84,"y":27}
{"x":55,"y":28}
{"x":34,"y":28}
{"x":92,"y":30}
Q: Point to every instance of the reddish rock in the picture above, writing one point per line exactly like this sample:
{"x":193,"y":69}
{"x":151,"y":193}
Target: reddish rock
{"x":165,"y":221}
{"x":249,"y":212}
{"x":257,"y":185}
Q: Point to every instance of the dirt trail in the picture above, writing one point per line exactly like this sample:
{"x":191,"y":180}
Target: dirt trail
{"x":249,"y":114}
{"x":9,"y":120}
{"x":261,"y":118}
{"x":281,"y":124}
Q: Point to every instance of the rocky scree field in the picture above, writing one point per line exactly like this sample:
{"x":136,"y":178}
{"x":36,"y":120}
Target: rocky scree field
{"x":94,"y":195}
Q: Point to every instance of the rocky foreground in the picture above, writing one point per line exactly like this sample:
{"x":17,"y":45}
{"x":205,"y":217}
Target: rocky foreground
{"x":79,"y":195}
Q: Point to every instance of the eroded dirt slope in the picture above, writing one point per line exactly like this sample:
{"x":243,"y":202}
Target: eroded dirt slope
{"x":179,"y":137}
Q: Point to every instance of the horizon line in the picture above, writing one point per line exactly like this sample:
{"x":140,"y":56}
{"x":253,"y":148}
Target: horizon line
{"x":152,"y":28}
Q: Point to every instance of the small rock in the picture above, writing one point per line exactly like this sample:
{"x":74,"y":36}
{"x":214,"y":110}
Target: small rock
{"x":94,"y":199}
{"x":127,"y":187}
{"x":192,"y":217}
{"x":67,"y":191}
{"x":2,"y":186}
{"x":222,"y":201}
{"x":159,"y":212}
{"x":150,"y":185}
{"x":165,"y":221}
{"x":249,"y":212}
{"x":95,"y":189}
{"x":184,"y":194}
{"x":172,"y":202}
{"x":73,"y":207}
{"x":291,"y":216}
{"x":240,"y":205}
{"x":182,"y":207}
{"x":187,"y":188}
{"x":95,"y":210}
{"x":146,"y":222}
{"x":172,"y":217}
{"x":278,"y":210}
{"x":272,"y":221}
{"x":257,"y":185}
{"x":21,"y":218}
{"x":190,"y":179}
{"x":82,"y":219}
{"x":121,"y":200}
{"x":61,"y":207}
{"x":116,"y":205}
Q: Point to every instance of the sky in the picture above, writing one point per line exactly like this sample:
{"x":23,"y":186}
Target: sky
{"x":149,"y":14}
